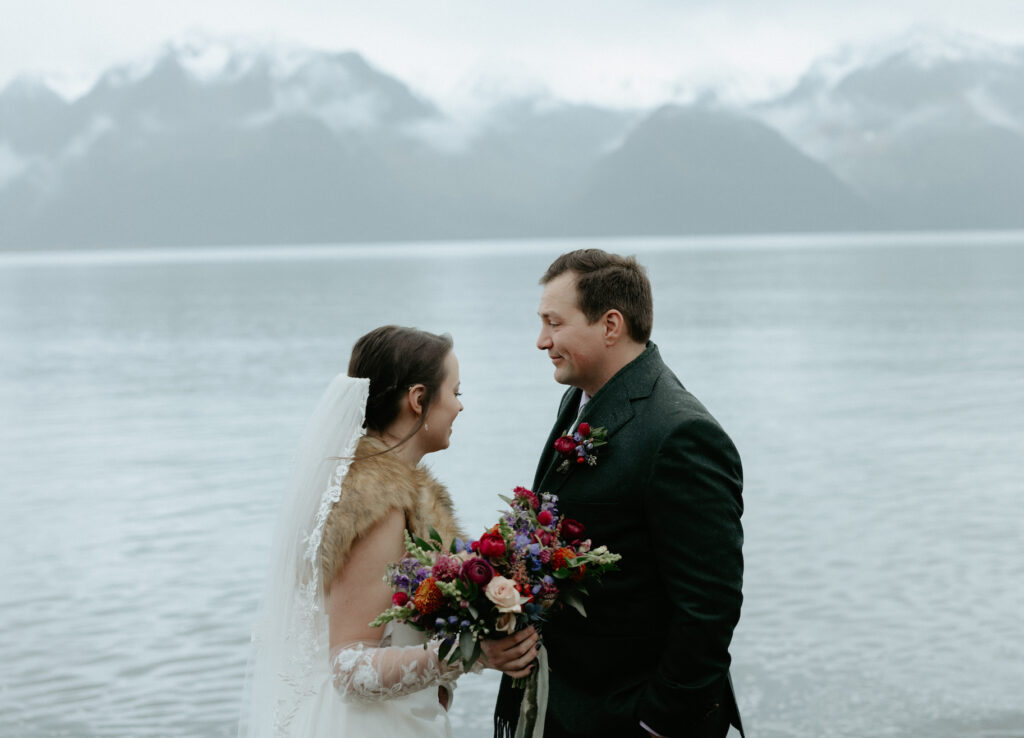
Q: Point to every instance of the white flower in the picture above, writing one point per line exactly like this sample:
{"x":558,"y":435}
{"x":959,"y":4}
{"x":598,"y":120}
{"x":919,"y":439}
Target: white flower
{"x":503,"y":593}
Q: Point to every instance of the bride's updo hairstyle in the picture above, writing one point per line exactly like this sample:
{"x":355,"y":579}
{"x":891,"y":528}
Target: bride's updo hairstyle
{"x":394,"y":359}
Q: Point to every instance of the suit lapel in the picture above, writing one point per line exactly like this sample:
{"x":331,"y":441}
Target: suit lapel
{"x":611,"y":408}
{"x":549,"y":460}
{"x":610,"y":412}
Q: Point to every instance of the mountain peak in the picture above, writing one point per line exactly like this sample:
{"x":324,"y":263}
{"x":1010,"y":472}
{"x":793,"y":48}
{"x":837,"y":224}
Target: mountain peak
{"x":927,"y":46}
{"x":922,"y":48}
{"x":29,"y":90}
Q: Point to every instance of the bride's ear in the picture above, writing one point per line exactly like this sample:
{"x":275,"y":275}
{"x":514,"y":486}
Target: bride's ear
{"x":414,"y":398}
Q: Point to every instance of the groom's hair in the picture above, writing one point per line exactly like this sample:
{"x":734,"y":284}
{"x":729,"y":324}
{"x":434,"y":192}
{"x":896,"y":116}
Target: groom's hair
{"x":609,"y":282}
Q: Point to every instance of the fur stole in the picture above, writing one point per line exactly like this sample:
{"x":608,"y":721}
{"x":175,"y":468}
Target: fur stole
{"x":373,"y":487}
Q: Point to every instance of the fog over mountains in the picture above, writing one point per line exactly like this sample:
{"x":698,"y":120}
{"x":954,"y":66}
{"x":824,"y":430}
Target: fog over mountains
{"x":212,"y":144}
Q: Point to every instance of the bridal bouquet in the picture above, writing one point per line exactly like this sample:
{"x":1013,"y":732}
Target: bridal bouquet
{"x":531,"y":561}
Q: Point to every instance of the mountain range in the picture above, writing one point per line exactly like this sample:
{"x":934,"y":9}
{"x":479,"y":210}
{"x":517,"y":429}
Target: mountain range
{"x":925,"y":132}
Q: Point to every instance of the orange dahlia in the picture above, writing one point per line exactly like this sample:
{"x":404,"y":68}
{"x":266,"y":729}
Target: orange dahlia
{"x":562,"y":557}
{"x":428,"y":597}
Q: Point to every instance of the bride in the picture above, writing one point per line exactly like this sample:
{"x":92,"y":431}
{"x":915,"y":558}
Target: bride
{"x":318,"y":668}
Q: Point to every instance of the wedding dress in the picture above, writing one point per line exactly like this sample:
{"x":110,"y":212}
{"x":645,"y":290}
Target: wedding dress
{"x":297,"y":686}
{"x":384,"y":690}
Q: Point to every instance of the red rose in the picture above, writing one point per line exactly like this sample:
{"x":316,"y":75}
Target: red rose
{"x":572,"y":530}
{"x":584,"y":429}
{"x":492,"y":544}
{"x":544,"y":517}
{"x":478,"y":571}
{"x":399,"y":598}
{"x":565,"y":446}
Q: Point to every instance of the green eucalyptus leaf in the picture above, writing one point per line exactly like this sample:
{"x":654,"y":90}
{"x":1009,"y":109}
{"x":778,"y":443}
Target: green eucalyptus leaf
{"x":467,"y":644}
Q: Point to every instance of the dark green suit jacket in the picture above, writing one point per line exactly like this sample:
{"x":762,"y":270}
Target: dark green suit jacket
{"x":666,"y":495}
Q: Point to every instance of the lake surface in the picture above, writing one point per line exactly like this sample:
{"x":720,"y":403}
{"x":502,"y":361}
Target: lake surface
{"x":150,"y":403}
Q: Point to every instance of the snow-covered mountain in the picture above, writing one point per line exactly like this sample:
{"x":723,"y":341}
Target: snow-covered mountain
{"x":929,"y":128}
{"x":228,"y":142}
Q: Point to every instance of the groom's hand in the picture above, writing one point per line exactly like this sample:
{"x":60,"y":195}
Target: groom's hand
{"x":513,"y":654}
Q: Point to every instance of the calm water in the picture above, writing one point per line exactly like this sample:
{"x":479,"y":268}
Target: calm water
{"x":149,"y":405}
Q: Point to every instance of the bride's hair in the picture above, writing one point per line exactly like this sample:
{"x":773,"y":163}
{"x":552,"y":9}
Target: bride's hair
{"x":394,"y":359}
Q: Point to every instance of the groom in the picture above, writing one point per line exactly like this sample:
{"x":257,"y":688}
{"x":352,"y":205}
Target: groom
{"x":652,"y":657}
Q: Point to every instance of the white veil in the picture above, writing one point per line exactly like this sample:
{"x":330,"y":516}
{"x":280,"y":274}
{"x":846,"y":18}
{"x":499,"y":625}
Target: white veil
{"x":291,"y":635}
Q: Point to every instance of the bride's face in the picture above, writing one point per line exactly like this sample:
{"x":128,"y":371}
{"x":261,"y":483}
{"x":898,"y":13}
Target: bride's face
{"x":444,"y":407}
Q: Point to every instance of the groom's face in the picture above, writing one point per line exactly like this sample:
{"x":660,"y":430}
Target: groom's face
{"x":574,"y":346}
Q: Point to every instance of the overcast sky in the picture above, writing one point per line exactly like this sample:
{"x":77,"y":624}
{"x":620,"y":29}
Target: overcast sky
{"x":606,"y":51}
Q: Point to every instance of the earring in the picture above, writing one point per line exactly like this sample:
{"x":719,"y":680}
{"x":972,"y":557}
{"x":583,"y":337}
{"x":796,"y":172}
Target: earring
{"x":426,"y":426}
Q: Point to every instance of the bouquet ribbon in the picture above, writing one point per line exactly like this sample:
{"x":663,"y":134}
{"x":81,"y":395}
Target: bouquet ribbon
{"x":535,"y":700}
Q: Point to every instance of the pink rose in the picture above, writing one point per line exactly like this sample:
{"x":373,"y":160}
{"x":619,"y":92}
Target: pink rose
{"x":572,"y":530}
{"x":565,"y":446}
{"x":544,"y":517}
{"x":399,"y":598}
{"x":503,"y":593}
{"x":478,"y":571}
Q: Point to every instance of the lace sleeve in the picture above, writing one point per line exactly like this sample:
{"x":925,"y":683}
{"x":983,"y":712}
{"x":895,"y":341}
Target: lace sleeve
{"x":377,"y":674}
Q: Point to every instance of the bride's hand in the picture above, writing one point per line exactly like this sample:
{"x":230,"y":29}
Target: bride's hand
{"x":513,"y":654}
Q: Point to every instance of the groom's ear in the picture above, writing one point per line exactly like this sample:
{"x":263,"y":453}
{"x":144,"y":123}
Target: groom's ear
{"x":614,"y":327}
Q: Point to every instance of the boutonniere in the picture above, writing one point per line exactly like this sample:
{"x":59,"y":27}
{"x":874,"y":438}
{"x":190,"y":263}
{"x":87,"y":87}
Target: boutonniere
{"x":580,"y":445}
